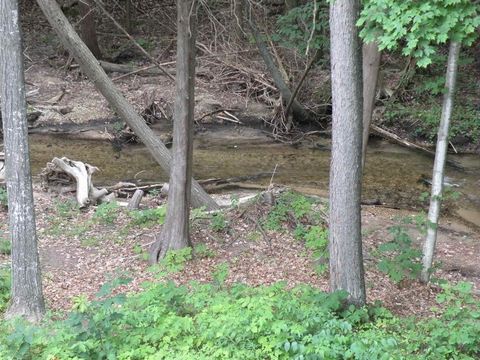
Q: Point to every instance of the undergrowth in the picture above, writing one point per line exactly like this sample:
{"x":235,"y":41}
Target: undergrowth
{"x":210,"y":321}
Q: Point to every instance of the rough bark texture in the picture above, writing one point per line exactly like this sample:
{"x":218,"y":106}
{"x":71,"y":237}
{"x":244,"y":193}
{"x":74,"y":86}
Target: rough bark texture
{"x":439,"y":164}
{"x":105,"y":86}
{"x":175,"y":234}
{"x":88,"y":28}
{"x":371,"y":67}
{"x":27,"y":297}
{"x":346,"y":261}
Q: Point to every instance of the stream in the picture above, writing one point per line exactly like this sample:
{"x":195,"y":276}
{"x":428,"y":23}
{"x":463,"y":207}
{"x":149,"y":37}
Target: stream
{"x":393,"y":174}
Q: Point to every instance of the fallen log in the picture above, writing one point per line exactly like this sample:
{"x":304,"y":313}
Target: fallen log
{"x":398,"y":140}
{"x":127,"y":69}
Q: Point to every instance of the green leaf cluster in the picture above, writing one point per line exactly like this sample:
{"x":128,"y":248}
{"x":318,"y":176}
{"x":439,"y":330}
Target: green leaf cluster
{"x":148,"y":217}
{"x":166,"y":321}
{"x":399,"y":259}
{"x":418,"y":27}
{"x":5,"y":284}
{"x":295,"y":27}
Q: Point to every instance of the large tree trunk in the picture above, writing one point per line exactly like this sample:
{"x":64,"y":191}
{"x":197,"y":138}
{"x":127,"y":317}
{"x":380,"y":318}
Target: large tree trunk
{"x":27,"y":297}
{"x":104,"y":84}
{"x":371,"y":67}
{"x":439,"y":164}
{"x":346,"y":261}
{"x":175,"y":233}
{"x":88,"y":28}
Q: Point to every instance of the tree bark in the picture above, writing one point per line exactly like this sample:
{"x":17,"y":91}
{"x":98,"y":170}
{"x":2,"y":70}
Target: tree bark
{"x":27,"y":297}
{"x":439,"y":163}
{"x":371,"y":67}
{"x":298,"y":111}
{"x":175,"y":234}
{"x":88,"y":28}
{"x":346,"y":260}
{"x":105,"y":86}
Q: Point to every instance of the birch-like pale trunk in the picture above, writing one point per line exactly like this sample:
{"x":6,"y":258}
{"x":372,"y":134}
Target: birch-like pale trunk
{"x":439,"y":164}
{"x":27,"y":297}
{"x":175,"y":233}
{"x":346,"y":260}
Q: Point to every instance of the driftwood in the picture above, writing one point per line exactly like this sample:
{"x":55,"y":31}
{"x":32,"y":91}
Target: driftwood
{"x":61,"y":172}
{"x":134,"y":202}
{"x":398,"y":140}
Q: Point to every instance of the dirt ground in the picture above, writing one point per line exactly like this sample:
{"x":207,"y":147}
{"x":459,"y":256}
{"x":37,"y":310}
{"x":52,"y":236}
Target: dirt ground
{"x":78,"y":253}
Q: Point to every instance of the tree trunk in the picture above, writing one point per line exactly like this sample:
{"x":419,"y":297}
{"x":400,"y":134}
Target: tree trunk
{"x":371,"y":67}
{"x":298,"y":111}
{"x":105,"y":86}
{"x":129,"y":15}
{"x":175,"y":234}
{"x":439,"y":164}
{"x":88,"y":28}
{"x":27,"y":297}
{"x":346,"y":261}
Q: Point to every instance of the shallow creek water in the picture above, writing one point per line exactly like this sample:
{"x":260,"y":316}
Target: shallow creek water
{"x":392,"y":173}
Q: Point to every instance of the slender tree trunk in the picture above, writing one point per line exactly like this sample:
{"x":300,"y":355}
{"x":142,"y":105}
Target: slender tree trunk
{"x":129,"y":15}
{"x":371,"y":67}
{"x":346,"y":261}
{"x":439,"y":163}
{"x":175,"y":234}
{"x":27,"y":297}
{"x":88,"y":28}
{"x":298,"y":111}
{"x":105,"y":86}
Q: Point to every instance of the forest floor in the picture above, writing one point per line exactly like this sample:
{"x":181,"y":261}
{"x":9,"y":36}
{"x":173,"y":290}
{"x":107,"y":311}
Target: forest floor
{"x":81,"y":250}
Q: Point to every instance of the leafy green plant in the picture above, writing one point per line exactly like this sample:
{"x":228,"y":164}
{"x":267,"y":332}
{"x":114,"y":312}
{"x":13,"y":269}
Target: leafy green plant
{"x":220,"y":274}
{"x":149,"y":217}
{"x":175,"y":260}
{"x":3,"y":197}
{"x":419,"y":26}
{"x":289,"y":206}
{"x":67,"y":208}
{"x":5,"y":284}
{"x":399,"y":259}
{"x":166,"y":321}
{"x":202,"y":251}
{"x":294,"y":29}
{"x":316,"y":239}
{"x":139,"y":250}
{"x":106,"y":213}
{"x":5,"y":246}
{"x":218,"y":222}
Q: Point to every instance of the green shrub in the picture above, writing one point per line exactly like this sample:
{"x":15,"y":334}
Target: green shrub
{"x":218,"y":222}
{"x":149,"y":217}
{"x":294,"y":29}
{"x":3,"y":197}
{"x":398,"y":258}
{"x":5,"y":283}
{"x":106,"y":213}
{"x":5,"y":246}
{"x":166,"y":321}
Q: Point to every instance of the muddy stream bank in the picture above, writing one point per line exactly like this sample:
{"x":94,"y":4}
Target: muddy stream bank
{"x":393,"y":174}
